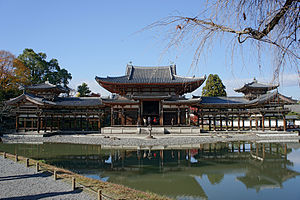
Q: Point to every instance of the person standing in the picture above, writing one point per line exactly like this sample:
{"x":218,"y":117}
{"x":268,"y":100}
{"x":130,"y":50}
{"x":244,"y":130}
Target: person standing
{"x":149,"y":121}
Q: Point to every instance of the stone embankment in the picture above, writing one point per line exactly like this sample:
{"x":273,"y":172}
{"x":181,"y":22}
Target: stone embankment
{"x":159,"y":139}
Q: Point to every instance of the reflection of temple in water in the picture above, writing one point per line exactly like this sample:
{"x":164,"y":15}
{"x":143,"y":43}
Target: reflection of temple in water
{"x":173,"y":171}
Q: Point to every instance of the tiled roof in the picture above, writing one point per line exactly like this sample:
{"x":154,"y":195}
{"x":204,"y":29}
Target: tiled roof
{"x":46,"y":85}
{"x":165,"y":74}
{"x":255,"y":85}
{"x":218,"y":101}
{"x":61,"y":101}
{"x":78,"y":101}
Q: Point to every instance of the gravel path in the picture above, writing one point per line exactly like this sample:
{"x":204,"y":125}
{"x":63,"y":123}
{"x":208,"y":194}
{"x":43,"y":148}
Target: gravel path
{"x":141,"y":140}
{"x":19,"y":182}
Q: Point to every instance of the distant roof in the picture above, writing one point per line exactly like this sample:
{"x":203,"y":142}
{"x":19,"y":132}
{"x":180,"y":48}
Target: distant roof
{"x":158,"y":74}
{"x":229,"y":101}
{"x":61,"y":101}
{"x":46,"y":86}
{"x":255,"y":85}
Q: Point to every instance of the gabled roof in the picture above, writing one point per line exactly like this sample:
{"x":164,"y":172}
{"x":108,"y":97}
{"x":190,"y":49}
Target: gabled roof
{"x":60,"y":101}
{"x":146,"y":75}
{"x":255,"y":85}
{"x":236,"y":101}
{"x":46,"y":86}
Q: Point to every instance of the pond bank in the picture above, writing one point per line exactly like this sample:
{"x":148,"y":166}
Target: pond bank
{"x":21,"y":182}
{"x":141,"y":140}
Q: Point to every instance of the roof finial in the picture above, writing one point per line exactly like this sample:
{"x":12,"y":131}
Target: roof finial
{"x":47,"y":81}
{"x":254,"y":80}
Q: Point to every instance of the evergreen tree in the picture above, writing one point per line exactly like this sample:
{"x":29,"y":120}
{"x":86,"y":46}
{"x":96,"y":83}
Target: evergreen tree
{"x":42,"y":70}
{"x":83,"y":90}
{"x":214,"y":87}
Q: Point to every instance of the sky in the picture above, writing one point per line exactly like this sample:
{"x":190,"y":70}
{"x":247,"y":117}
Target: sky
{"x":99,"y":38}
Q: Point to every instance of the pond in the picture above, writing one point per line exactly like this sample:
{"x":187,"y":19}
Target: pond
{"x":211,"y":171}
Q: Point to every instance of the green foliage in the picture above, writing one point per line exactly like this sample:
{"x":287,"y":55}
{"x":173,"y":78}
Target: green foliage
{"x":8,"y":94}
{"x":214,"y":87}
{"x":83,"y":90}
{"x":42,"y":70}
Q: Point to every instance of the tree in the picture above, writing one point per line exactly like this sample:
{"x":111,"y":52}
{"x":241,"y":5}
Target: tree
{"x":267,"y":25}
{"x":83,"y":90}
{"x":214,"y":87}
{"x":13,"y":73}
{"x":42,"y":70}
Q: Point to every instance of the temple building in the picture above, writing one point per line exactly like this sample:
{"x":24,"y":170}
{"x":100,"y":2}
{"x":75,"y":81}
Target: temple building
{"x":150,"y":93}
{"x":41,"y":108}
{"x":154,"y":95}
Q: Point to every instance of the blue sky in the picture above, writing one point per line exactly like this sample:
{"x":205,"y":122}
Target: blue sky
{"x":92,"y":38}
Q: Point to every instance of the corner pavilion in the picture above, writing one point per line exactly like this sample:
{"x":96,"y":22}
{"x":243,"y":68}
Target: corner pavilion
{"x":155,"y":93}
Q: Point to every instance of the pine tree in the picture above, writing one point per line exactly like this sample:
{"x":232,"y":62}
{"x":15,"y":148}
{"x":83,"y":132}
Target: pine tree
{"x":214,"y":87}
{"x":83,"y":90}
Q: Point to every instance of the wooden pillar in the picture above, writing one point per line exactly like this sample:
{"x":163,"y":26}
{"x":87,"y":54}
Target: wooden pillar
{"x":209,"y":123}
{"x":62,"y":122}
{"x":250,"y":122}
{"x":38,"y":123}
{"x":276,"y":123}
{"x":239,"y":126}
{"x":17,"y":123}
{"x":58,"y":122}
{"x":284,"y":123}
{"x":263,"y":122}
{"x":139,"y":122}
{"x":189,"y":116}
{"x":70,"y":123}
{"x":270,"y":123}
{"x":51,"y":125}
{"x":178,"y":115}
{"x":75,"y":121}
{"x":25,"y":120}
{"x":87,"y":121}
{"x":243,"y":122}
{"x":256,"y":123}
{"x":45,"y":123}
{"x":202,"y":122}
{"x":214,"y":120}
{"x":161,"y":116}
{"x":81,"y":124}
{"x":122,"y":117}
{"x":112,"y":116}
{"x":221,"y":125}
{"x":99,"y":123}
{"x":226,"y":122}
{"x":232,"y":122}
{"x":32,"y":122}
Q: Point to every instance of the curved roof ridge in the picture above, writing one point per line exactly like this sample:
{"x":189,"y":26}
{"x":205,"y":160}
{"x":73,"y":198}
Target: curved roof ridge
{"x":190,"y":77}
{"x":151,"y":67}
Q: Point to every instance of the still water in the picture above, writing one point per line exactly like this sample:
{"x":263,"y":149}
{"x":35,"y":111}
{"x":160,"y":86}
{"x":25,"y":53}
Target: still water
{"x":210,"y":171}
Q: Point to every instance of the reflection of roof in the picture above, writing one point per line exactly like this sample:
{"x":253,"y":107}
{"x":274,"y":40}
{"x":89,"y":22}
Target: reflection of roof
{"x":255,"y":85}
{"x":60,"y":101}
{"x":144,"y":75}
{"x":46,"y":86}
{"x":219,"y":101}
